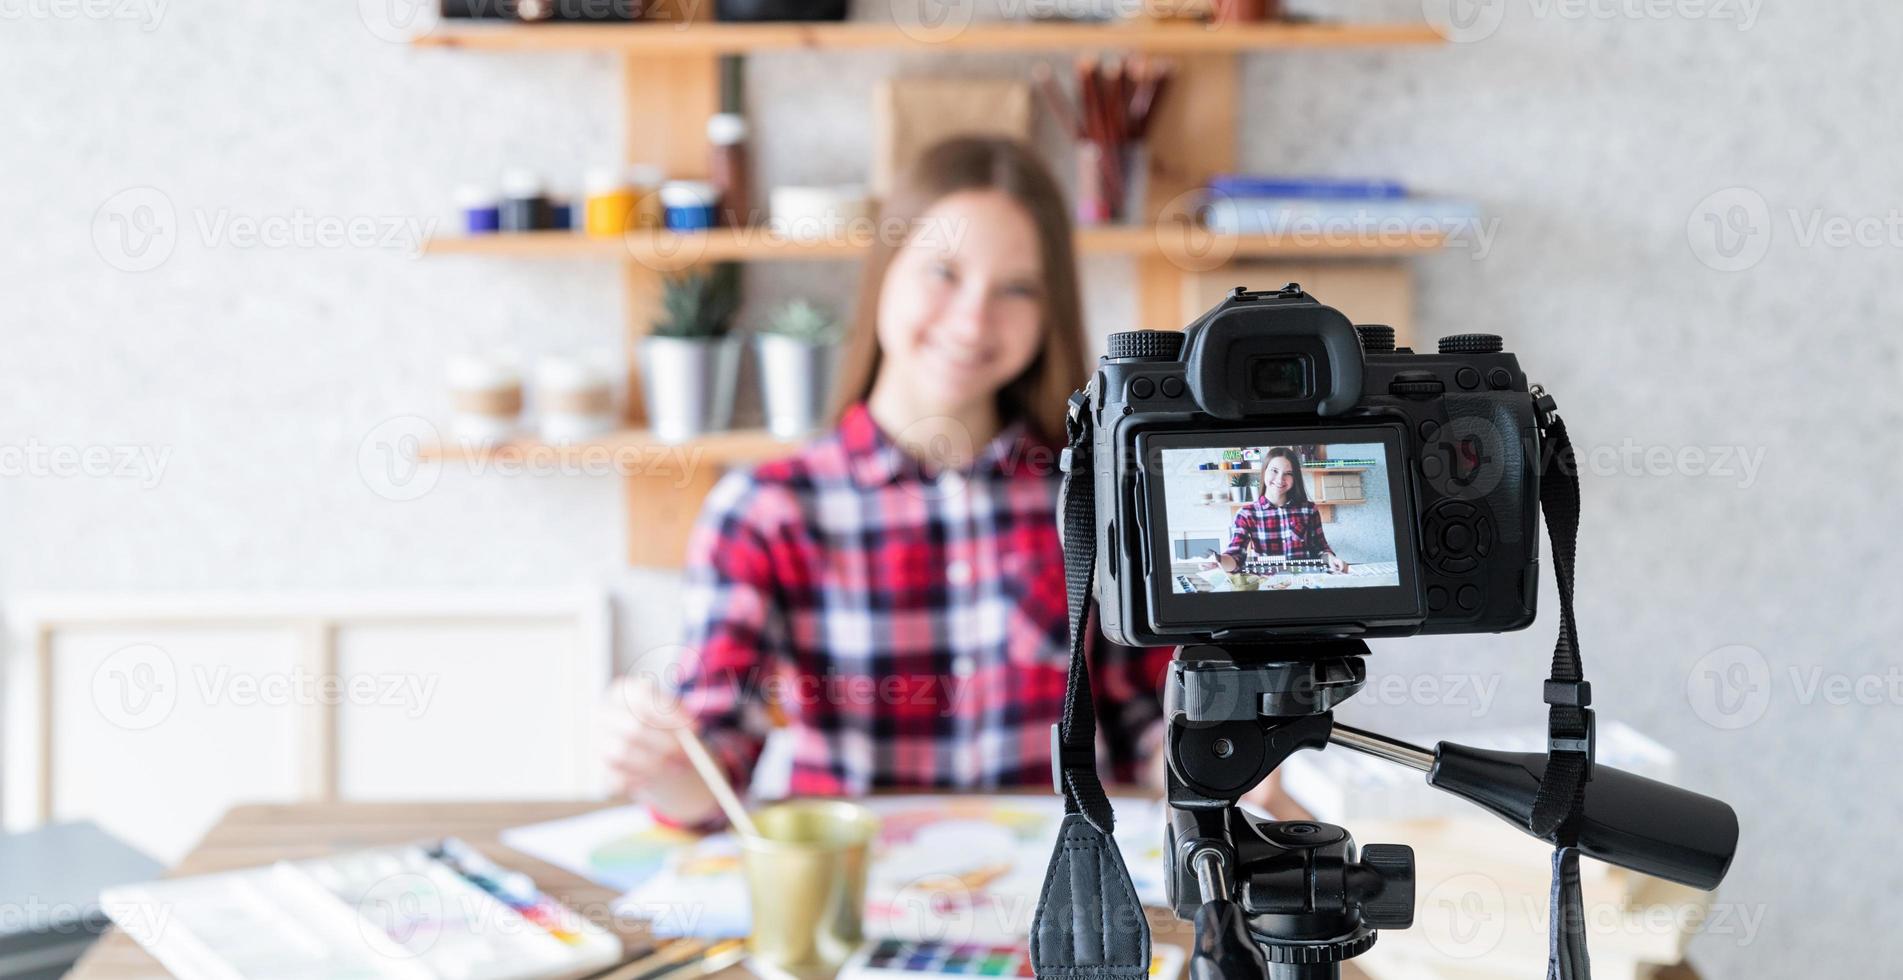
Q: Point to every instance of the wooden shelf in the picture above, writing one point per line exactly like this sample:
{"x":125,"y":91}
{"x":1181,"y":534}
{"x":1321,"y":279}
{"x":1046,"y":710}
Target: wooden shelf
{"x":715,"y":449}
{"x":668,"y":250}
{"x":737,"y":38}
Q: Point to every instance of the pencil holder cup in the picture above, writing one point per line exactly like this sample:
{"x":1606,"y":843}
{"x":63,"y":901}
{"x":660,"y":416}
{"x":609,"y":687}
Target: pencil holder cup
{"x":806,"y":882}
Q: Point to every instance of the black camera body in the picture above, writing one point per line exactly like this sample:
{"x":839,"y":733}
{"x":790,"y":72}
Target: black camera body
{"x":1370,"y":491}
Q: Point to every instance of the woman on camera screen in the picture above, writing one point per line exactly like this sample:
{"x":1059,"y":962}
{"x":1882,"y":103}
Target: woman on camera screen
{"x":1280,"y":524}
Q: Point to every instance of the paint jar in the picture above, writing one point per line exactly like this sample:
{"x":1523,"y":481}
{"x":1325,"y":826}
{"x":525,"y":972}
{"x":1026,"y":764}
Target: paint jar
{"x":812,"y":214}
{"x":608,"y":209}
{"x":645,"y":180}
{"x":477,"y":208}
{"x":485,"y":397}
{"x":689,"y":204}
{"x":525,"y":205}
{"x":561,"y":214}
{"x":727,"y":167}
{"x":574,"y":399}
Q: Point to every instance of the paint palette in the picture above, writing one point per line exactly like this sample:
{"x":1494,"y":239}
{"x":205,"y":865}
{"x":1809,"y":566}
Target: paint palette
{"x":895,"y":959}
{"x":417,"y":913}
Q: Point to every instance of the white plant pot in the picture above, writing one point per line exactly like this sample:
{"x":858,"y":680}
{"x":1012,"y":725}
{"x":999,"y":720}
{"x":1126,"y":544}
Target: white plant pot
{"x":794,"y":379}
{"x":688,"y":385}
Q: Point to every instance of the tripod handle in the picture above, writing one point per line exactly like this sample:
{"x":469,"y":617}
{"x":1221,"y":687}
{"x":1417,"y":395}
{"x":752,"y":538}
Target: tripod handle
{"x":1628,"y":820}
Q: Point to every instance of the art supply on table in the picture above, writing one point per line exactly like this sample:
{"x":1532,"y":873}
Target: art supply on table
{"x":609,"y":203}
{"x":716,"y":782}
{"x":574,"y":399}
{"x":561,"y":214}
{"x":476,"y":207}
{"x":1117,"y":99}
{"x":689,"y":205}
{"x":819,"y":213}
{"x":485,"y":397}
{"x":729,"y":169}
{"x":713,"y":959}
{"x":524,"y":205}
{"x":897,"y":959}
{"x":806,"y":869}
{"x":994,"y":847}
{"x":441,"y":910}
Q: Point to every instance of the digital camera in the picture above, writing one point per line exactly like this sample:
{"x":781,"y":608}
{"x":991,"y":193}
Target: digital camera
{"x":1273,"y":471}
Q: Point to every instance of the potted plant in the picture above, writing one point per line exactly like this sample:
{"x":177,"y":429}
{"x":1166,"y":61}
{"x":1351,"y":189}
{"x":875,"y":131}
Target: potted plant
{"x":688,"y":361}
{"x":796,"y":349}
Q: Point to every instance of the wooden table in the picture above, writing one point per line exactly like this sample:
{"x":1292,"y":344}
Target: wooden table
{"x":248,"y":836}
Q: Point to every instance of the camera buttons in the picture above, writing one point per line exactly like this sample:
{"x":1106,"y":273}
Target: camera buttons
{"x":1468,"y":597}
{"x":1500,"y":378}
{"x":1142,"y":388}
{"x":1436,"y":598}
{"x":1467,"y":378}
{"x":1172,"y":387}
{"x":1429,"y":429}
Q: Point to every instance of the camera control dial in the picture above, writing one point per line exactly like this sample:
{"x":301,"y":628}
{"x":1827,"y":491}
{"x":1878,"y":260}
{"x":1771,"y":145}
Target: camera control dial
{"x":1149,"y":345}
{"x":1472,"y":343}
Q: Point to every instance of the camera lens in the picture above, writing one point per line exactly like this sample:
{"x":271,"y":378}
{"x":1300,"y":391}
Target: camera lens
{"x":1279,"y":376}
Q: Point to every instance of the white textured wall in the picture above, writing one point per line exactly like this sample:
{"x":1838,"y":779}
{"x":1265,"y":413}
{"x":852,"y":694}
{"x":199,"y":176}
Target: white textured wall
{"x":1592,"y":132}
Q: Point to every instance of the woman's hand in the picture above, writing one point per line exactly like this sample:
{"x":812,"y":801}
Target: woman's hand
{"x":1335,"y":564}
{"x":644,"y":756}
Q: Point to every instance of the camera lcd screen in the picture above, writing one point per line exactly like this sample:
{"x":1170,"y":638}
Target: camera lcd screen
{"x":1295,"y":525}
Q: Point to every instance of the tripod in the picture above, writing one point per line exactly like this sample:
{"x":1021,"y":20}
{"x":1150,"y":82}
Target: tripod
{"x":1279,"y":900}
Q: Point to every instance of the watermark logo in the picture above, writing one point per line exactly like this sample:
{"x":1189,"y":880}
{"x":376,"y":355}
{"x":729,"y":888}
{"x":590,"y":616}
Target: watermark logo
{"x":393,"y":459}
{"x":1730,"y":230}
{"x":1464,"y":21}
{"x":136,"y":229}
{"x":1466,"y":916}
{"x":401,"y":915}
{"x":933,"y":21}
{"x":37,"y":460}
{"x":398,"y":21}
{"x":145,"y":13}
{"x":136,"y":687}
{"x":1730,"y":687}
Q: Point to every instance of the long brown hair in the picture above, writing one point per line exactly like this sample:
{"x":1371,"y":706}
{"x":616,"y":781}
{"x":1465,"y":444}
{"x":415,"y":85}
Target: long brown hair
{"x":1036,"y":396}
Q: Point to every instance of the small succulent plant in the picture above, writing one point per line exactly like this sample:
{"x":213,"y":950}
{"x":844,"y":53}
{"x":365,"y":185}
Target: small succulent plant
{"x":804,"y":321}
{"x":700,"y":305}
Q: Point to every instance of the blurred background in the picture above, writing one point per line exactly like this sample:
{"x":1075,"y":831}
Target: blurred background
{"x":261,"y":543}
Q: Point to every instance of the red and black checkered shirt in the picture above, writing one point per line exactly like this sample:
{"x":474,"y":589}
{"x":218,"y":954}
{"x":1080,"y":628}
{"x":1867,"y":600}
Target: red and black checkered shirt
{"x":1293,"y":532}
{"x":905,"y":628}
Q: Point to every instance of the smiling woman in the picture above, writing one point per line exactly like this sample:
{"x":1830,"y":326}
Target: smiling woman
{"x":911,"y":554}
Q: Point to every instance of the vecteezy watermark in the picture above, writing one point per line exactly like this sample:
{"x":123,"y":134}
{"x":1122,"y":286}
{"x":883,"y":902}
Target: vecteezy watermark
{"x":1475,"y":692}
{"x":145,"y":13}
{"x":143,"y":464}
{"x":394,"y":459}
{"x":819,"y":231}
{"x":137,"y":687}
{"x":1202,"y":230}
{"x":1466,"y":21}
{"x":1630,"y":458}
{"x":137,"y":229}
{"x":1732,"y":230}
{"x":403,"y":458}
{"x":1733,"y":686}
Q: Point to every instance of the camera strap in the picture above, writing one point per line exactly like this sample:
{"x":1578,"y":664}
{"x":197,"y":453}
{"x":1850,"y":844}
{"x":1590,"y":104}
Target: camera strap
{"x":1089,"y":924}
{"x":1569,"y":719}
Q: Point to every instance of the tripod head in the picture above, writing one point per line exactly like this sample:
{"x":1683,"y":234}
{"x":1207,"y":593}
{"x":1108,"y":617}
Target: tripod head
{"x":1293,"y":899}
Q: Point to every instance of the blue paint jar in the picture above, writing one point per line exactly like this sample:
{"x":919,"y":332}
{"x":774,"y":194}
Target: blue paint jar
{"x":689,"y":204}
{"x":477,"y":207}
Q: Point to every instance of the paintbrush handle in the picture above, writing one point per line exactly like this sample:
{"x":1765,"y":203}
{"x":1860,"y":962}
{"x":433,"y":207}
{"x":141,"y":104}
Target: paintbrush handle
{"x":716,"y":780}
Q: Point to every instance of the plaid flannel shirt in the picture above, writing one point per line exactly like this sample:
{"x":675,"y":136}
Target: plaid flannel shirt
{"x":908,"y":628}
{"x":1293,"y":532}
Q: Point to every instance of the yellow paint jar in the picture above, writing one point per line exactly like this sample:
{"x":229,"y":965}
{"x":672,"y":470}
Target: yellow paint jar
{"x":609,"y":208}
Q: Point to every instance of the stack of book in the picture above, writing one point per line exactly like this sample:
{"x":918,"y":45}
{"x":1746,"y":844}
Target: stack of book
{"x":1296,"y":207}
